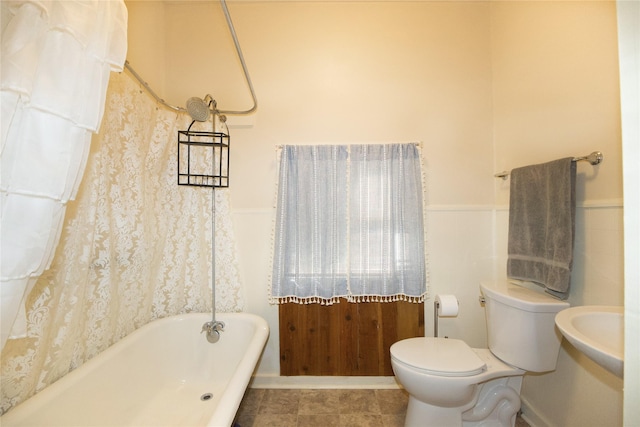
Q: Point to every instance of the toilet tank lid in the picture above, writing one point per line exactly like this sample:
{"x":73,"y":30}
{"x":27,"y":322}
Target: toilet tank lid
{"x":445,"y":357}
{"x":521,"y":297}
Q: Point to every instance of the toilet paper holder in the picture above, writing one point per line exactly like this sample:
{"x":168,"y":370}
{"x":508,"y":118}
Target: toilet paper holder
{"x":449,"y":310}
{"x":436,"y":306}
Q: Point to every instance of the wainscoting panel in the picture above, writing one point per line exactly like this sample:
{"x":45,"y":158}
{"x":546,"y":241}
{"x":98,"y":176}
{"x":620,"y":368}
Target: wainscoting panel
{"x":345,"y":339}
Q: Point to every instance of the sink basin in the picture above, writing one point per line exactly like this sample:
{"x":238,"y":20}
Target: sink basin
{"x":598,"y":332}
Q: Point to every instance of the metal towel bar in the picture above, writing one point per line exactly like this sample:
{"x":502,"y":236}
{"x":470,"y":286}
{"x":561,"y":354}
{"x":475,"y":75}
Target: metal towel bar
{"x":594,"y":158}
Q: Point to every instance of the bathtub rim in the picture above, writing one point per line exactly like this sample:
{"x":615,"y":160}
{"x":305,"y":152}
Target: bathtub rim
{"x":228,"y":404}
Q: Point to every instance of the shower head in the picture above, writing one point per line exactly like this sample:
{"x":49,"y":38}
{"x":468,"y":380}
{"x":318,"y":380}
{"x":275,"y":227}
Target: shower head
{"x":198,"y":108}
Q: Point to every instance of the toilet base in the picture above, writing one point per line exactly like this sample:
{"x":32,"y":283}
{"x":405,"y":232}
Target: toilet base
{"x":420,"y":414}
{"x":496,"y":404}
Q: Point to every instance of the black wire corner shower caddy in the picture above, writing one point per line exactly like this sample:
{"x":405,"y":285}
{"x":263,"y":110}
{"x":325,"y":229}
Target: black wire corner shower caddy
{"x":203,"y":158}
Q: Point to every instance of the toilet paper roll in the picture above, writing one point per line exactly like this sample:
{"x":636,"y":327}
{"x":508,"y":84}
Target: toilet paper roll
{"x":447,"y":305}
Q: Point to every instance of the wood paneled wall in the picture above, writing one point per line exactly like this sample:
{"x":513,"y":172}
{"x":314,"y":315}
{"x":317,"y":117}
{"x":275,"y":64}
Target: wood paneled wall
{"x":345,"y":339}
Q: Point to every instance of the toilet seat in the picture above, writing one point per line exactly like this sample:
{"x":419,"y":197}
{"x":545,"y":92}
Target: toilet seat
{"x":443,"y":357}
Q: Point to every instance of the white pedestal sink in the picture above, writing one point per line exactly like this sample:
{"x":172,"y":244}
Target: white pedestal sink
{"x":598,"y":332}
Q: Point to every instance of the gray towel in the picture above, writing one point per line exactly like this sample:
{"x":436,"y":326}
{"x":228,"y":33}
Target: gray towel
{"x":542,"y":206}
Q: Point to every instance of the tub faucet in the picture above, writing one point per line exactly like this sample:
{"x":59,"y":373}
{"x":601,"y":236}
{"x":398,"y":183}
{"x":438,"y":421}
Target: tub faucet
{"x":213,"y":329}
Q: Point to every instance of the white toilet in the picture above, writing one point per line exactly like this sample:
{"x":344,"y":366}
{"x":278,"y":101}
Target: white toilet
{"x":451,"y":384}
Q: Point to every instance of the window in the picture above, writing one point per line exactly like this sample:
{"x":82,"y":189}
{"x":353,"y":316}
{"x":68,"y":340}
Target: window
{"x":349,"y":224}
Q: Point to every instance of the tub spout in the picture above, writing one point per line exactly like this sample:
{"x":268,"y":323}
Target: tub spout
{"x":213,"y":330}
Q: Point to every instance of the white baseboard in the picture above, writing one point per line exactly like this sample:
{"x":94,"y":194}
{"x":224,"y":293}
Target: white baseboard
{"x":531,"y":416}
{"x":313,"y":382}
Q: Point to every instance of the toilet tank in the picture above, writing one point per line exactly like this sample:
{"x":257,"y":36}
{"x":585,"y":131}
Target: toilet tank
{"x":521,"y":325}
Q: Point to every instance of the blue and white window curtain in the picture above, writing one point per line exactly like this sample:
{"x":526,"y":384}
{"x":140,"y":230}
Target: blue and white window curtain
{"x":349,"y":224}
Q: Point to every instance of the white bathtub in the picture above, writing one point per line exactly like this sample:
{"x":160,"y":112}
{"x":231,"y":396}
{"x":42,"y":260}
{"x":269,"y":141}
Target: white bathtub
{"x":160,"y":375}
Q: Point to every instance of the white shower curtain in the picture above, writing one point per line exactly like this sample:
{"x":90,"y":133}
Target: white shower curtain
{"x":56,"y":61}
{"x":135,"y":247}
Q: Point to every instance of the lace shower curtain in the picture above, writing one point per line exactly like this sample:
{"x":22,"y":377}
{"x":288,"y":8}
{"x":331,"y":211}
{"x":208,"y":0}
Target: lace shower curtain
{"x":349,"y":224}
{"x":135,"y":247}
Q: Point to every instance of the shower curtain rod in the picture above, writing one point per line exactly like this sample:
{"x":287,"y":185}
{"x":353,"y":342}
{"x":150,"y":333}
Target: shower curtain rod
{"x":594,"y":158}
{"x":144,"y":84}
{"x":227,"y":16}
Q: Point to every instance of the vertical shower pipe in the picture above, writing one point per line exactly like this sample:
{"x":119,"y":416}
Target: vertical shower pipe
{"x":213,"y":218}
{"x":213,"y":238}
{"x":214,"y":327}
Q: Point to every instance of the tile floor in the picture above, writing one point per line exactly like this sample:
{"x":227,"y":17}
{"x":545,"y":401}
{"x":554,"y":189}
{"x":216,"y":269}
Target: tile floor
{"x":325,"y":408}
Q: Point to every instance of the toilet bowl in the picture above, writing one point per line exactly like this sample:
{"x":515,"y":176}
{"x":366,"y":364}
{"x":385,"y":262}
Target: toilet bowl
{"x":452,"y":384}
{"x":453,"y":390}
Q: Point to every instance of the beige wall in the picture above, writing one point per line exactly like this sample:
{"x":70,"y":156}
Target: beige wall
{"x":484,"y":87}
{"x":146,"y":42}
{"x":556,"y":90}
